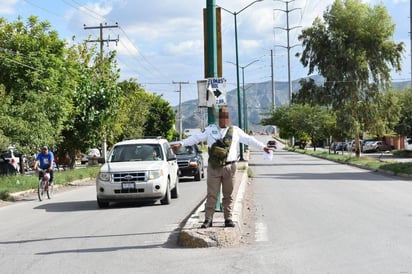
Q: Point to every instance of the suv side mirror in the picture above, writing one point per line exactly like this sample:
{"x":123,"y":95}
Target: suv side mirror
{"x":171,"y":157}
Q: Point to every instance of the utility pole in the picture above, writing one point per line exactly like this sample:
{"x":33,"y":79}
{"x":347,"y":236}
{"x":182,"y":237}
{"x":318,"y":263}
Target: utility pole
{"x":213,"y":48}
{"x":180,"y":108}
{"x":102,"y":41}
{"x":273,"y":80}
{"x":288,"y":47}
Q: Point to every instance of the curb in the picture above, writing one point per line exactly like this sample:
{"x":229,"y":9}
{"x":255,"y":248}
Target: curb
{"x":378,"y":170}
{"x":56,"y":186}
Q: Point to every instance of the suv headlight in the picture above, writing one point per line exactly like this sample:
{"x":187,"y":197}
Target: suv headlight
{"x":154,"y":174}
{"x":104,"y":176}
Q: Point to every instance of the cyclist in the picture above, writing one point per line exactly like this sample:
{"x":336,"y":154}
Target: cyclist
{"x":45,"y":160}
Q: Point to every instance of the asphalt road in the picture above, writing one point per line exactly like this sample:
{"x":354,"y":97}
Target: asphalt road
{"x":312,"y":216}
{"x":317,"y":216}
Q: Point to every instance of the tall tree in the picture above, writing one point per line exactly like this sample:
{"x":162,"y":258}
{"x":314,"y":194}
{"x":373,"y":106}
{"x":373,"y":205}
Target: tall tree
{"x":134,"y":111}
{"x":36,"y":83}
{"x":96,"y":100}
{"x":303,"y":121}
{"x":404,"y":127}
{"x":161,"y":120}
{"x":353,"y":49}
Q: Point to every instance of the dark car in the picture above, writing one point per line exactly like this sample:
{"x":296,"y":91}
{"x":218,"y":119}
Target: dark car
{"x":301,"y":144}
{"x":6,"y":168}
{"x":271,"y":144}
{"x":190,"y":161}
{"x":338,"y":146}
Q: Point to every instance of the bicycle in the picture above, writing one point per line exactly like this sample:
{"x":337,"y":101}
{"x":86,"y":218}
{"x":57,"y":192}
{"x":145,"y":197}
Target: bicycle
{"x":43,"y":185}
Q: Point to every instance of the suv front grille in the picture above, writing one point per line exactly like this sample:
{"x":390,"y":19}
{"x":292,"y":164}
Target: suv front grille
{"x":183,"y":163}
{"x":128,"y":177}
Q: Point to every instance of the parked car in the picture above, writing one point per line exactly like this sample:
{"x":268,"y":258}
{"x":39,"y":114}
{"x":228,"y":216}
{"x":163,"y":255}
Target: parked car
{"x":9,"y":156}
{"x":138,"y":170}
{"x":301,"y":144}
{"x":6,"y":168}
{"x":408,"y":143}
{"x":373,"y":146}
{"x":271,"y":144}
{"x":337,"y":146}
{"x":93,"y":153}
{"x":364,"y":142}
{"x":352,"y":145}
{"x":190,"y":161}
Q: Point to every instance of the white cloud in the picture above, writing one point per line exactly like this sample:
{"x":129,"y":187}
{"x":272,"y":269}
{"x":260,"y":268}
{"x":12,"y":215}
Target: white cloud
{"x":161,"y":41}
{"x":185,"y":48}
{"x":7,"y":6}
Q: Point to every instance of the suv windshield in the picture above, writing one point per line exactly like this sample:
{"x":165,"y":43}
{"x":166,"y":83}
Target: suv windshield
{"x":136,"y":152}
{"x":188,"y":150}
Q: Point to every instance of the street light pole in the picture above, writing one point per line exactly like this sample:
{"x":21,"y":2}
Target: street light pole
{"x":245,"y":115}
{"x":237,"y":69}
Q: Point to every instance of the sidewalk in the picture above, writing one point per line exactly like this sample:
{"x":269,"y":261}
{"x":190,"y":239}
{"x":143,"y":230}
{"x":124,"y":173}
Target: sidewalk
{"x":218,"y":235}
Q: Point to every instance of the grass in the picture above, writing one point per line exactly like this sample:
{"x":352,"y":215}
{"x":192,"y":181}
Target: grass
{"x":11,"y":184}
{"x":364,"y":161}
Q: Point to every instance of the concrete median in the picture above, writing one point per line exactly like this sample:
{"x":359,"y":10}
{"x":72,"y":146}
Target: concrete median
{"x":218,"y":235}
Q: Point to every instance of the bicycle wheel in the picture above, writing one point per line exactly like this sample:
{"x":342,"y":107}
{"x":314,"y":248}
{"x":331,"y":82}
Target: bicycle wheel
{"x":49,"y":190}
{"x":40,"y":189}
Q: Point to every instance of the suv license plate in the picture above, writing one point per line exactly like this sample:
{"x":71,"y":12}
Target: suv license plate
{"x":128,"y":185}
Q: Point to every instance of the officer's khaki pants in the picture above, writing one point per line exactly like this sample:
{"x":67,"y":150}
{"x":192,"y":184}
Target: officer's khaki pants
{"x":216,"y":177}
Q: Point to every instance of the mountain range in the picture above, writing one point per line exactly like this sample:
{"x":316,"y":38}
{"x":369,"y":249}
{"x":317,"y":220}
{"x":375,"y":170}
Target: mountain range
{"x":258,"y":100}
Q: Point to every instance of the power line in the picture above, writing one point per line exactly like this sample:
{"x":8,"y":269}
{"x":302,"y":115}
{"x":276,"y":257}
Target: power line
{"x":149,"y":68}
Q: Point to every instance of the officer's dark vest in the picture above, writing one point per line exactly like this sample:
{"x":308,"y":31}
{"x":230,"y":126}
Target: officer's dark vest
{"x":220,"y":149}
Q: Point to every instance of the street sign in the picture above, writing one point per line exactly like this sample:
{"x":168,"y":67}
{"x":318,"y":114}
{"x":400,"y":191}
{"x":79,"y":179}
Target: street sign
{"x":212,"y":92}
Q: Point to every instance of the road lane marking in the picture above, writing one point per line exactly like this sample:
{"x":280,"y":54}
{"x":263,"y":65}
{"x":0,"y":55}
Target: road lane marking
{"x":261,"y":234}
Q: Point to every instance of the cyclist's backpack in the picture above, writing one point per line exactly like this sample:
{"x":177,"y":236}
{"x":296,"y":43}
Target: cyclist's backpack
{"x":220,"y":149}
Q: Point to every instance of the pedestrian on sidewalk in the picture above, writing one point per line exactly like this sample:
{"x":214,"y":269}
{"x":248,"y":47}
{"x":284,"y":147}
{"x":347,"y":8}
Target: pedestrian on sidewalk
{"x":223,"y":142}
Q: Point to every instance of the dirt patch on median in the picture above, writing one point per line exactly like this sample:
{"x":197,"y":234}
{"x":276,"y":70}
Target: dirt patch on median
{"x":248,"y":215}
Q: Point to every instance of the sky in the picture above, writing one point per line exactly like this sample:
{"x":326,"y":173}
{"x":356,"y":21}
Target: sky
{"x":160,"y":42}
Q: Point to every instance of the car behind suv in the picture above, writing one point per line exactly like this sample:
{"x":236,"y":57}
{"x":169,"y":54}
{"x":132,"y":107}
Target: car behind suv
{"x":138,"y":170}
{"x":190,"y":161}
{"x":271,"y":144}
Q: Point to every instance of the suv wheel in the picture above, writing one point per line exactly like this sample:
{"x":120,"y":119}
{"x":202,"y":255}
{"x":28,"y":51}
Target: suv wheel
{"x":102,"y":204}
{"x":175,"y":190}
{"x":166,"y":199}
{"x":198,"y":174}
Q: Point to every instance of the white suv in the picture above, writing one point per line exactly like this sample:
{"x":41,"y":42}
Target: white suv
{"x":9,"y":156}
{"x":138,"y":170}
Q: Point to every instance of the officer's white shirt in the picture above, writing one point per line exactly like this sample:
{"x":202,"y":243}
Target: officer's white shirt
{"x":213,"y":133}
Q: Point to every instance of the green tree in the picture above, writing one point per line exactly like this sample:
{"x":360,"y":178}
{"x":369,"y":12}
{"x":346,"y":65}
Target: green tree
{"x":96,"y":101}
{"x":144,"y":114}
{"x":311,"y":93}
{"x":4,"y":140}
{"x":36,"y":83}
{"x":353,"y":50}
{"x":161,"y":120}
{"x":404,"y":126}
{"x":303,"y":121}
{"x":134,"y":110}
